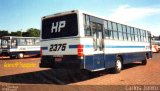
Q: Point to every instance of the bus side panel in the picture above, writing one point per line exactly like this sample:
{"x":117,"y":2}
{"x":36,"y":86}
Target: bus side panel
{"x":131,"y":57}
{"x":99,"y":61}
{"x":94,"y":62}
{"x":88,"y":62}
{"x":27,"y":50}
{"x":110,"y":60}
{"x":25,"y":53}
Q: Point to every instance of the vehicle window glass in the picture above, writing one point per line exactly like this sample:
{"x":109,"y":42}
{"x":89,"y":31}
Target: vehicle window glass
{"x":30,"y":41}
{"x":21,"y":42}
{"x":87,"y":25}
{"x":13,"y":43}
{"x":37,"y":41}
{"x":120,"y":28}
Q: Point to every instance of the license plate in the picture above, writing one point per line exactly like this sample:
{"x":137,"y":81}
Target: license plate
{"x":58,"y":56}
{"x":58,"y":59}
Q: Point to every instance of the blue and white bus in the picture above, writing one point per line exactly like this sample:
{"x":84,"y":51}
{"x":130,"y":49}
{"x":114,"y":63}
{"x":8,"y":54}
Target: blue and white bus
{"x":77,"y":39}
{"x":17,"y":47}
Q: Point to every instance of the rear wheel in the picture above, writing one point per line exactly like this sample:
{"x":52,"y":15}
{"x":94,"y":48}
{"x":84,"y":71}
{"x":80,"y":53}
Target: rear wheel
{"x":20,"y":55}
{"x":118,"y":65}
{"x":144,"y":62}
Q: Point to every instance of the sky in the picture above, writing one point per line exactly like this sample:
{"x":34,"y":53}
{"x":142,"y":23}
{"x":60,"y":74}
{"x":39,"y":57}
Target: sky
{"x":21,"y":15}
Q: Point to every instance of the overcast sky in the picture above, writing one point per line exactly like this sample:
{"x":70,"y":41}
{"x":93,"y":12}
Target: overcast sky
{"x":23,"y":14}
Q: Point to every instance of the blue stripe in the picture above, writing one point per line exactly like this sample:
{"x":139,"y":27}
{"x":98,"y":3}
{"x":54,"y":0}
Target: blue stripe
{"x":85,"y":46}
{"x":91,"y":46}
{"x":124,"y":46}
{"x":108,"y":46}
{"x":88,"y":46}
{"x":44,"y":48}
{"x":73,"y":46}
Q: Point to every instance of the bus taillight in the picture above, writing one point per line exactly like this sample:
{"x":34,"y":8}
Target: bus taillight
{"x":80,"y":50}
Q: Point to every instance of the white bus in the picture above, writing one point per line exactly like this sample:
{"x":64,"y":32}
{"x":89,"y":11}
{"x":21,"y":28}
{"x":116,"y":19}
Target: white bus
{"x":77,"y":39}
{"x":156,"y":43}
{"x":17,"y":47}
{"x":0,"y":47}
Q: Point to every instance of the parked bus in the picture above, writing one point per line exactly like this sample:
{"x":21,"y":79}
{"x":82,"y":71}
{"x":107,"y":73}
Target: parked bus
{"x":155,"y":48}
{"x":155,"y":43}
{"x":79,"y":40}
{"x":0,"y":47}
{"x":17,"y":47}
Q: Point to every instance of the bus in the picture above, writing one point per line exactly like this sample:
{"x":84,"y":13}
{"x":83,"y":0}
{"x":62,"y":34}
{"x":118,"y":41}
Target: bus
{"x":0,"y":47}
{"x":80,"y":40}
{"x":156,"y":44}
{"x":17,"y":47}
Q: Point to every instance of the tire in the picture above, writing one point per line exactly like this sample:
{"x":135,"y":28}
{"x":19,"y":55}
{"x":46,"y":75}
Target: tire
{"x":20,"y":55}
{"x":118,"y":65}
{"x":144,"y":62}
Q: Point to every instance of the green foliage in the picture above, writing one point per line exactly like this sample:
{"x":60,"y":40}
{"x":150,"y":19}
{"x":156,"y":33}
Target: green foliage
{"x":4,"y":33}
{"x":31,"y":32}
{"x":18,"y":33}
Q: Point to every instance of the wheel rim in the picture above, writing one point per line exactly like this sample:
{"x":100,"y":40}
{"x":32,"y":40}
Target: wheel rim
{"x":118,"y":64}
{"x":21,"y":55}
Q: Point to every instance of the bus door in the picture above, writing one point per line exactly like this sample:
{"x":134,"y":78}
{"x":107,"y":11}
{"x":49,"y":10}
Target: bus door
{"x":98,"y":45}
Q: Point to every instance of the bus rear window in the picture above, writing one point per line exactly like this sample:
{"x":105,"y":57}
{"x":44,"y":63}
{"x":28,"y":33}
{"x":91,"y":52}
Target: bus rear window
{"x":62,"y":26}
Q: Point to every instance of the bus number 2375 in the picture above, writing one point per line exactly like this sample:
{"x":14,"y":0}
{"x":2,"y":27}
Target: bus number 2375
{"x":57,"y":47}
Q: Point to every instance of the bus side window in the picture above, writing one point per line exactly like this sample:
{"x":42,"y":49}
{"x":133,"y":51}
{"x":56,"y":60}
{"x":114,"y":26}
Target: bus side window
{"x":136,"y":35}
{"x":149,"y":37}
{"x":142,"y":39}
{"x":87,"y":25}
{"x":139,"y":35}
{"x":115,"y":32}
{"x":100,"y":36}
{"x":21,"y":42}
{"x":14,"y":43}
{"x":37,"y":42}
{"x":106,"y":31}
{"x":93,"y":25}
{"x":146,"y":36}
{"x":30,"y":41}
{"x":129,"y":33}
{"x":110,"y":32}
{"x":132,"y":34}
{"x":124,"y":32}
{"x":120,"y":32}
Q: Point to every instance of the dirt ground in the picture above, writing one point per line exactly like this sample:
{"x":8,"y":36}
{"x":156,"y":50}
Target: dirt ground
{"x":25,"y":74}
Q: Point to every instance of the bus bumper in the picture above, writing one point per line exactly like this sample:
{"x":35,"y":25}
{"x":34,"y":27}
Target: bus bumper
{"x":67,"y":62}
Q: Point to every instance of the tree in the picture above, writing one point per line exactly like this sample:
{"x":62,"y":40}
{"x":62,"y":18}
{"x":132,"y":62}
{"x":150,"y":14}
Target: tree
{"x":4,"y":33}
{"x":32,"y":32}
{"x":18,"y":33}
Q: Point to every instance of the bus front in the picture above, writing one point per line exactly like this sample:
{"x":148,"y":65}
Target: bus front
{"x":5,"y":45}
{"x":59,"y":41}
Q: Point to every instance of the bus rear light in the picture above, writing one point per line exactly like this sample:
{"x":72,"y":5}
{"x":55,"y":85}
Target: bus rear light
{"x":80,"y":54}
{"x":80,"y":50}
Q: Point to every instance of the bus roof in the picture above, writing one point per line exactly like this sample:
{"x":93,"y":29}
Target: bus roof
{"x":87,"y":13}
{"x":60,"y":14}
